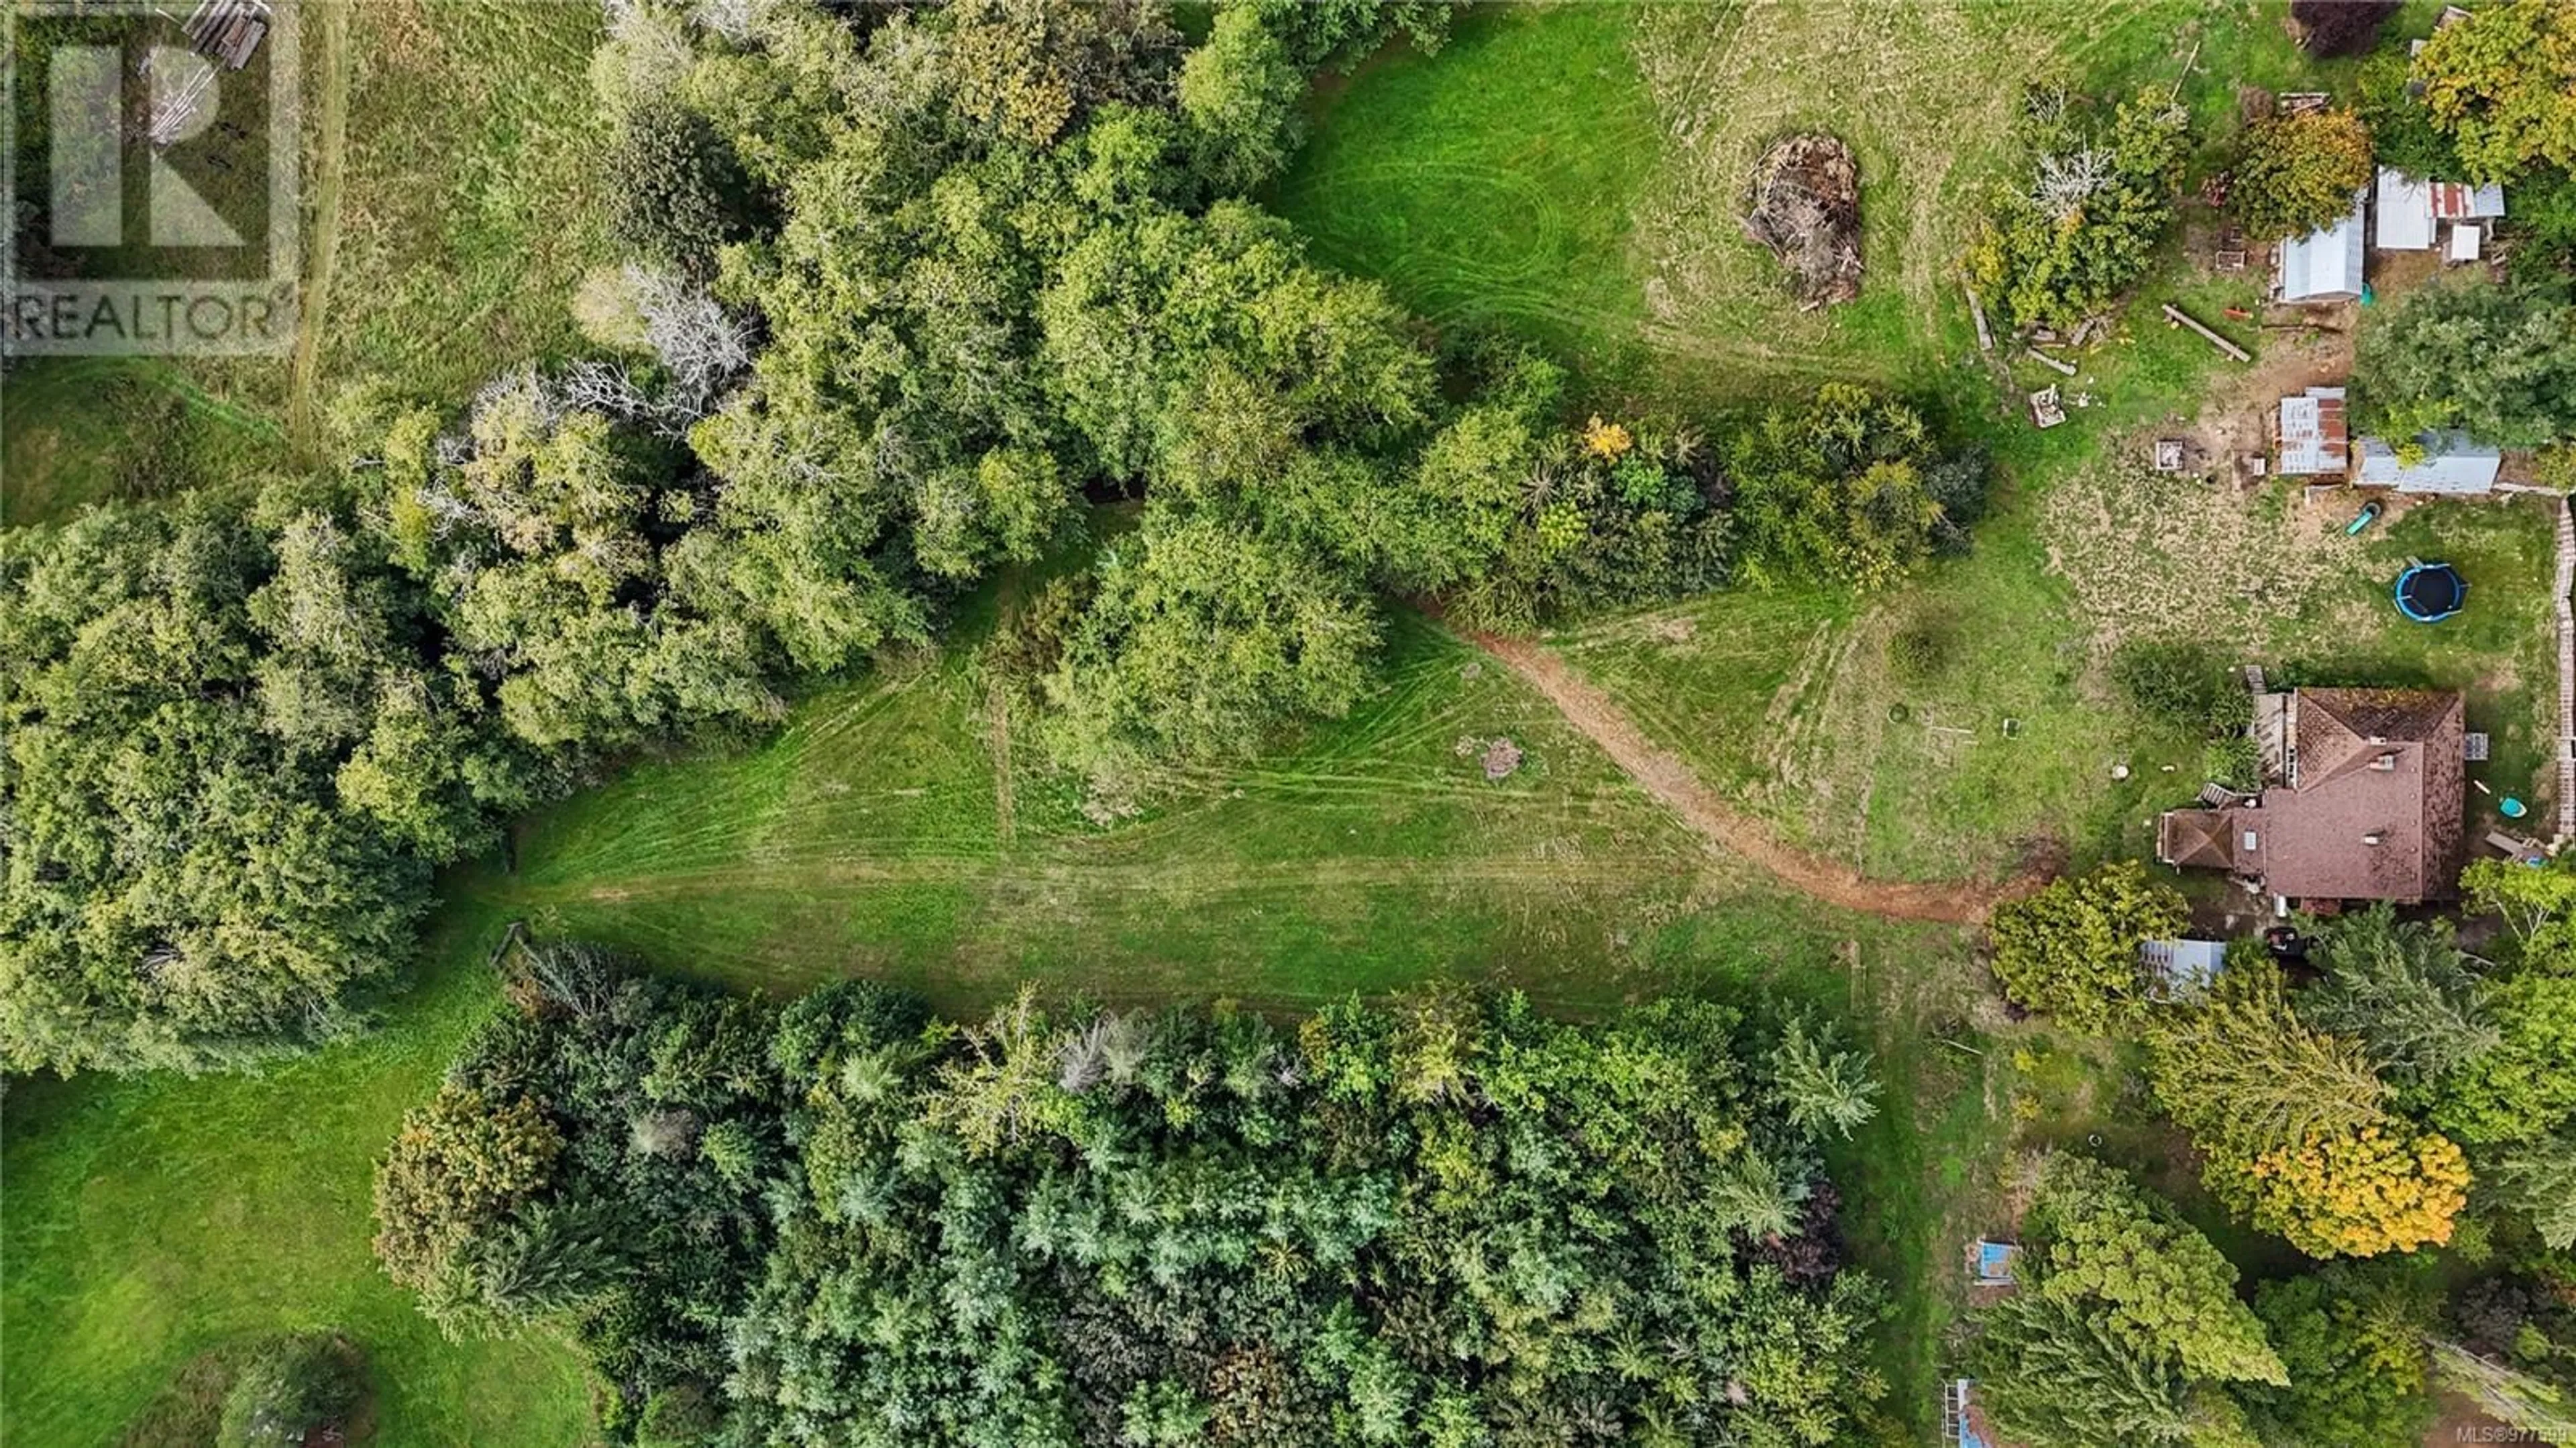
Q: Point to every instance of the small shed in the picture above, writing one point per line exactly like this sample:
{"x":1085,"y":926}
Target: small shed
{"x":2460,"y":201}
{"x":2177,"y":968}
{"x":2324,"y":265}
{"x":2405,"y":212}
{"x":2411,"y":211}
{"x":2451,"y":464}
{"x":2467,"y":242}
{"x":1992,"y":1263}
{"x":1963,"y":1419}
{"x":2314,"y":436}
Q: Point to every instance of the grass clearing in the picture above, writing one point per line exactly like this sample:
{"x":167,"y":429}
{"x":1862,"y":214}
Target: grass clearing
{"x":866,"y":836}
{"x":74,"y":430}
{"x":469,"y":208}
{"x":450,"y":197}
{"x":1606,"y":224}
{"x":1489,"y":185}
{"x":866,"y":839}
{"x":155,"y":1220}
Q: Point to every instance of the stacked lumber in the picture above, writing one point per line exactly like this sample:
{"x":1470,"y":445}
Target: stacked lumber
{"x":228,"y":31}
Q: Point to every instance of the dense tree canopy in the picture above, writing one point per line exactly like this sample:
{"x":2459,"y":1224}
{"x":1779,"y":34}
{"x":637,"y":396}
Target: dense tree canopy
{"x":178,"y":689}
{"x":2071,"y":949}
{"x":2498,"y":361}
{"x":2503,"y":84}
{"x":2127,"y":1329}
{"x":2299,"y":172}
{"x":2294,"y":1127}
{"x":2353,"y":1345}
{"x":2158,"y":1285}
{"x":1442,"y":1221}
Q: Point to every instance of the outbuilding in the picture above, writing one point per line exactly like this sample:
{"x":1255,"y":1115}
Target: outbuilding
{"x":2450,"y":463}
{"x":2314,"y":438}
{"x":2324,"y":265}
{"x":2411,"y":212}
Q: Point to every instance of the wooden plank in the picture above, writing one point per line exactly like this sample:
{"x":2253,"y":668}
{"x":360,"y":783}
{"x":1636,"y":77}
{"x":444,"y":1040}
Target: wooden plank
{"x":2042,"y":358}
{"x":2180,"y":318}
{"x":1977,"y":309}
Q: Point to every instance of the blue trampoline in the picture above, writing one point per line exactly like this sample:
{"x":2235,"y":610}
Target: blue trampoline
{"x":2430,"y":592}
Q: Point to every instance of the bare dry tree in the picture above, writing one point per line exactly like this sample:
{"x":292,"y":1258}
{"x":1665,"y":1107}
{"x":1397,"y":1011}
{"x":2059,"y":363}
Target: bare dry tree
{"x":2068,"y":179}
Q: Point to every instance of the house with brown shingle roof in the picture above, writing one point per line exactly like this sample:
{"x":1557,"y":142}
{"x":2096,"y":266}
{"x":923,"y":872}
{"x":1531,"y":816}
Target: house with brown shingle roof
{"x":2365,"y":800}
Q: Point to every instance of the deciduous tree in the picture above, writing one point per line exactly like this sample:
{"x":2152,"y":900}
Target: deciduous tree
{"x":2496,"y":361}
{"x":2299,"y":172}
{"x":2503,"y":83}
{"x":2071,"y":949}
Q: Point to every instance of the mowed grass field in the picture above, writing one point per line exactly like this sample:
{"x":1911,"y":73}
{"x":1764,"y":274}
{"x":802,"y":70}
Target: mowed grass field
{"x":450,"y":212}
{"x":891,"y":831}
{"x":1577,"y":173}
{"x":152,"y":1221}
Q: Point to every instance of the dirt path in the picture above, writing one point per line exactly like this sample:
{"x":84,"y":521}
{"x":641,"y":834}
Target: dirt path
{"x":331,"y":164}
{"x":1670,"y":780}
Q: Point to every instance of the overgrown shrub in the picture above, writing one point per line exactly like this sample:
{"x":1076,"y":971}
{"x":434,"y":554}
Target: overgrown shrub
{"x":2331,"y":29}
{"x":2080,"y":219}
{"x":1922,"y":650}
{"x":2403,"y":133}
{"x":2234,"y":760}
{"x":2072,"y":948}
{"x":290,"y":1387}
{"x":676,"y":192}
{"x":2299,"y":172}
{"x":2177,"y":684}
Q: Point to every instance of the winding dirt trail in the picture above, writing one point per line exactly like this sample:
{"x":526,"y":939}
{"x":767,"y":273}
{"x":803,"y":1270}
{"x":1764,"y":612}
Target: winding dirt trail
{"x":1667,"y":778}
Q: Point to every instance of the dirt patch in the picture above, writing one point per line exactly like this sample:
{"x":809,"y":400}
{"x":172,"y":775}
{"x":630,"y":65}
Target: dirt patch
{"x":1498,"y":757}
{"x":2302,"y":348}
{"x":1806,"y":209}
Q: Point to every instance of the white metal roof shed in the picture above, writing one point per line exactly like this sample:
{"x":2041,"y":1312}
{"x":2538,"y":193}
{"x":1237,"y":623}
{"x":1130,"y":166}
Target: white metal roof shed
{"x":2325,"y":265}
{"x":2452,"y":464}
{"x":2405,"y":212}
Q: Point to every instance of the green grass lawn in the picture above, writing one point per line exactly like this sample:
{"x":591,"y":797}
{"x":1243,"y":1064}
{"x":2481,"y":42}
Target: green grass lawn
{"x":75,"y":429}
{"x":154,"y":1220}
{"x":1576,"y":174}
{"x":470,"y":208}
{"x":1490,"y":186}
